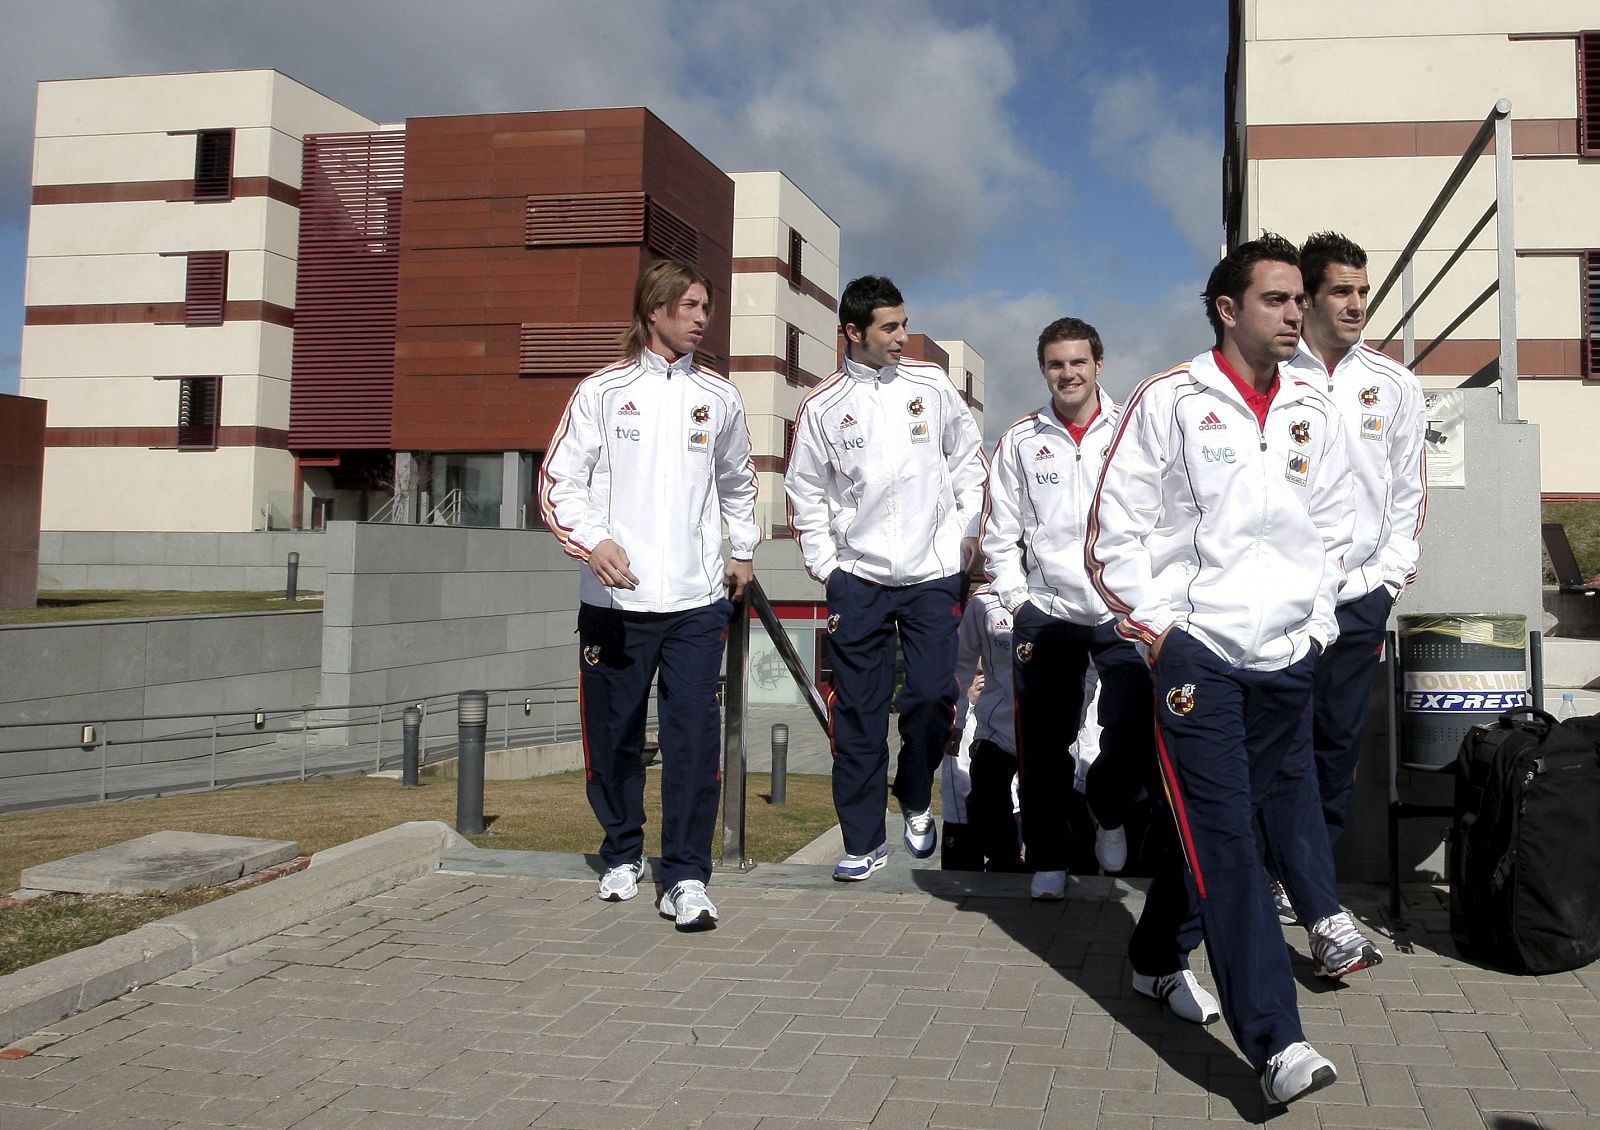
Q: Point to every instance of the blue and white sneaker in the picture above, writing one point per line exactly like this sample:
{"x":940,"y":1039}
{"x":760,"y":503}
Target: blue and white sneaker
{"x":921,"y":835}
{"x":688,"y":905}
{"x":621,"y":883}
{"x":854,"y":868}
{"x":1295,"y":1072}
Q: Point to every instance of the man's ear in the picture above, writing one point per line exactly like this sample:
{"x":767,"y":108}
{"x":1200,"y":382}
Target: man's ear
{"x":853,"y":334}
{"x":1227,"y":310}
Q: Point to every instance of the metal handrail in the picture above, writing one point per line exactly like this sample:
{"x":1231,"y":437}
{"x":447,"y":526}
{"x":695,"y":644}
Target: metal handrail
{"x":1497,"y":128}
{"x":447,"y":513}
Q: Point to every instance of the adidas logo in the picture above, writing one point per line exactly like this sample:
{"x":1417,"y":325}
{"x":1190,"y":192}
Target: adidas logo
{"x":629,"y":410}
{"x":1044,"y":453}
{"x":849,"y":421}
{"x":1212,"y":423}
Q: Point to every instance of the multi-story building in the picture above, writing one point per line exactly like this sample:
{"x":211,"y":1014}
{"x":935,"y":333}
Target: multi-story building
{"x":1352,"y":117}
{"x":162,"y":243}
{"x":965,"y":365}
{"x":785,"y":318}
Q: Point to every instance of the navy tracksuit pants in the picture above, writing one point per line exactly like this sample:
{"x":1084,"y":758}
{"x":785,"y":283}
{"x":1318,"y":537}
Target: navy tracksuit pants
{"x":1048,"y":660}
{"x":1343,"y":692}
{"x":620,"y":655}
{"x":863,"y":621}
{"x":1232,"y":741}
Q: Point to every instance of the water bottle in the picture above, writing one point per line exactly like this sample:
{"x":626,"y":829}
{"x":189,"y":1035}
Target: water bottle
{"x":1568,"y":708}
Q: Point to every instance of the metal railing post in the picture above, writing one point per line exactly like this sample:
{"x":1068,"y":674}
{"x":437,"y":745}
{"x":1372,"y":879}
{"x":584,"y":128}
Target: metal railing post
{"x":1407,"y":288}
{"x":105,"y":740}
{"x":734,"y":754}
{"x":1506,"y":257}
{"x":505,"y":721}
{"x":213,"y":752}
{"x":377,"y":758}
{"x":305,"y":718}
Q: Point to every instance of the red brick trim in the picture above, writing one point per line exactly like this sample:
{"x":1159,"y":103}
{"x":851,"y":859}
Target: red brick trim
{"x":152,"y":313}
{"x":1533,"y":137}
{"x":118,"y":192}
{"x":234,"y":436}
{"x":772,"y":265}
{"x":773,"y":365}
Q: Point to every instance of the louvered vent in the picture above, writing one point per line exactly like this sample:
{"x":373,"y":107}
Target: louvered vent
{"x":672,"y":237}
{"x":586,"y":217}
{"x":1591,"y":315}
{"x":1589,"y":93}
{"x":569,"y":349}
{"x":206,"y":288}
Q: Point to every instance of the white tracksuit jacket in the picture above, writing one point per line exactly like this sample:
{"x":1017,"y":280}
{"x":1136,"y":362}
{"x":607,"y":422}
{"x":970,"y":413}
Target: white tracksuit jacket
{"x":655,"y":457}
{"x":1232,"y":530}
{"x":1041,"y":487}
{"x":985,"y":634}
{"x":885,"y":474}
{"x":1385,"y":421}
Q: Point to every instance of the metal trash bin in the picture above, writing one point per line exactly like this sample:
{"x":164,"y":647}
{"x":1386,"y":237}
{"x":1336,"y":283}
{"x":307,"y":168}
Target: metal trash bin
{"x":1460,"y":669}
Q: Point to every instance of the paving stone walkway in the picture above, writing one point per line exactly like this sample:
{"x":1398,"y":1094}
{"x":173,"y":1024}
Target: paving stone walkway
{"x":502,"y":1000}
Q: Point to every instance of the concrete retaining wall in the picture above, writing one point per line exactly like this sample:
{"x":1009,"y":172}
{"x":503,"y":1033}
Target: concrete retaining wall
{"x":210,"y":562}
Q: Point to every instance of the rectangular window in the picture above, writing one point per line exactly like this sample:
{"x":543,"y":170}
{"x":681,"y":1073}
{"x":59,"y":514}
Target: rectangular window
{"x":1591,"y":315}
{"x":199,"y":411}
{"x":206,"y":288}
{"x":796,"y":253}
{"x":791,"y":355}
{"x":213,"y":164}
{"x":1589,"y":93}
{"x":788,"y":437}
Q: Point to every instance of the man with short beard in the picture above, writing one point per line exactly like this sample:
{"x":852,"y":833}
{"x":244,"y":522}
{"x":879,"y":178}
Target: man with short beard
{"x":1219,"y":527}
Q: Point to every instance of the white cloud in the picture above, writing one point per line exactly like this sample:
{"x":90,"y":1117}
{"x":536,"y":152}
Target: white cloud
{"x":1138,"y":133}
{"x":1139,"y":338}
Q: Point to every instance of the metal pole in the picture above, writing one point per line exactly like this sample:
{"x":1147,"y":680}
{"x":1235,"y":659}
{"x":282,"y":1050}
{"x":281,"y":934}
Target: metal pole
{"x":733,"y":745}
{"x":410,"y":726}
{"x":472,"y":724}
{"x":1536,"y":659}
{"x":1390,"y":702}
{"x":305,"y":716}
{"x":1409,"y":351}
{"x":505,"y":721}
{"x":1505,"y":243}
{"x":291,"y":584}
{"x":213,"y":752}
{"x":780,"y":763}
{"x":105,"y":740}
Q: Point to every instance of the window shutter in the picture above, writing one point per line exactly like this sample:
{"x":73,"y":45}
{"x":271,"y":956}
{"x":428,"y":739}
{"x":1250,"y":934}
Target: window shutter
{"x":584,"y":217}
{"x":1589,"y":93}
{"x":671,"y":236}
{"x":199,"y":407}
{"x":213,"y":164}
{"x":206,"y":288}
{"x":791,"y":355}
{"x":1591,"y":315}
{"x":796,"y":253}
{"x":569,"y":349}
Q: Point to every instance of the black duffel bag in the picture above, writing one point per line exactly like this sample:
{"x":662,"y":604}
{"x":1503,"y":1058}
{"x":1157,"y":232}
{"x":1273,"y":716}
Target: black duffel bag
{"x":1524,"y":853}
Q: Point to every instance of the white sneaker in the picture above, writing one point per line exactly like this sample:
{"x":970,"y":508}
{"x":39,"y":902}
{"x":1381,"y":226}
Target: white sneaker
{"x":1049,"y":886}
{"x":1338,"y":947}
{"x":1182,"y":994}
{"x":621,"y":883}
{"x":1111,"y":849}
{"x":921,"y":835}
{"x":1281,"y":903}
{"x":689,"y":906}
{"x":854,"y":868}
{"x":1294,"y":1072}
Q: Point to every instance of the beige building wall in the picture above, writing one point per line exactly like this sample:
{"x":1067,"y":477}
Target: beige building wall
{"x":112,"y":219}
{"x":767,"y":302}
{"x":966,"y":371}
{"x":1352,"y":117}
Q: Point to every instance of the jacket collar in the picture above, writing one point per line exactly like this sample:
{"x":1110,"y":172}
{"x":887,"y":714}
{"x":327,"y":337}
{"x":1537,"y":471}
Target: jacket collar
{"x":652,"y":362}
{"x":1203,"y":370}
{"x":1109,"y":411}
{"x":857,"y":371}
{"x":1307,"y":361}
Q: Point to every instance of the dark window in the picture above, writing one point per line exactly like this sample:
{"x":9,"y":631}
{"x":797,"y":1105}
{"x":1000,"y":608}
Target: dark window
{"x":791,"y":355}
{"x":796,"y":253}
{"x":788,"y":438}
{"x":199,"y":409}
{"x":213,"y":164}
{"x":969,"y":385}
{"x":206,"y":289}
{"x":1589,"y":93}
{"x":1591,"y":315}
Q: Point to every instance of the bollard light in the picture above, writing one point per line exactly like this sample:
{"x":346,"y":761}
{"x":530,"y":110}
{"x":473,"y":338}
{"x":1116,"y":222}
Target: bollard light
{"x":410,"y":732}
{"x":291,"y":583}
{"x":472,"y":724}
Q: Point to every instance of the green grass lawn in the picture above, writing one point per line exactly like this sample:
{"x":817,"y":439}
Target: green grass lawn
{"x":1582,"y":520}
{"x":110,"y":604}
{"x":541,"y":814}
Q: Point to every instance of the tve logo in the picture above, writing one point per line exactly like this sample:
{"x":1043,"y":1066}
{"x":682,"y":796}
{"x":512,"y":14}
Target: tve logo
{"x":1219,"y":454}
{"x":858,"y":441}
{"x":1046,"y":478}
{"x":628,"y":433}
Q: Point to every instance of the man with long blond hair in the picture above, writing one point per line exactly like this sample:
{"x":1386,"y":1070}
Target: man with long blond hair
{"x":650,"y":458}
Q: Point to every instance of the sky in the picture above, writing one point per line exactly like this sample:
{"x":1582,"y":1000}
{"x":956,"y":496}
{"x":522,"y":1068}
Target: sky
{"x":1006,"y":163}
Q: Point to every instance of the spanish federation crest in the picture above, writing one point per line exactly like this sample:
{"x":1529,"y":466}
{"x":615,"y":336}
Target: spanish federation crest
{"x":914,"y":406}
{"x":1180,"y":700}
{"x":1024,"y":651}
{"x":1369,"y":397}
{"x":591,"y":654}
{"x":1300,"y":431}
{"x":833,"y":623}
{"x":701,"y":413}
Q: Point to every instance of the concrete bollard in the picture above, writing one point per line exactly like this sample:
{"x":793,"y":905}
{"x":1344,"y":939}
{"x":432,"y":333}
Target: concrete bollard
{"x":780,"y":763}
{"x":411,"y":731}
{"x":472,"y":725}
